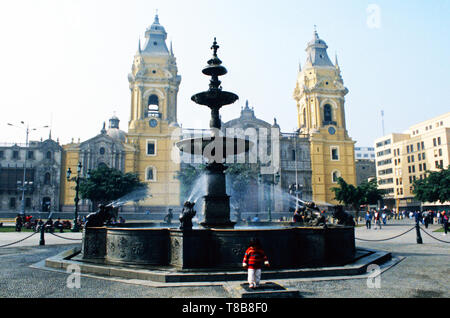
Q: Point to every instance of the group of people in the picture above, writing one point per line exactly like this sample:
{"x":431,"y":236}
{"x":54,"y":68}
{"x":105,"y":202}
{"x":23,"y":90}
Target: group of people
{"x":378,"y":217}
{"x":114,"y":221}
{"x":28,"y":222}
{"x":426,"y":218}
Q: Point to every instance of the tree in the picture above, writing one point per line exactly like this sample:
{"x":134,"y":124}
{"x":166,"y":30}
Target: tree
{"x":366,"y":193}
{"x":435,"y":187}
{"x":106,"y":185}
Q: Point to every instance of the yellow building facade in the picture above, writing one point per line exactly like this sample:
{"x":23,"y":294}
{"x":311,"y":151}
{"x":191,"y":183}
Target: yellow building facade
{"x":320,"y":98}
{"x":147,"y":147}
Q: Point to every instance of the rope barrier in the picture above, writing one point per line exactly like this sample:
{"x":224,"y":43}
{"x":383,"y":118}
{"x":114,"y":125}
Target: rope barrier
{"x":19,"y":240}
{"x":433,"y":236}
{"x":387,"y":238}
{"x":65,"y":238}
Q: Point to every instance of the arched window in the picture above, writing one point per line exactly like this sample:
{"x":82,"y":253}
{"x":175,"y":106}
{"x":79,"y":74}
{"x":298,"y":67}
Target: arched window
{"x":49,"y":155}
{"x":102,"y":165}
{"x":153,"y":104}
{"x":327,"y":113}
{"x":335,"y":176}
{"x":150,"y":174}
{"x":47,"y":178}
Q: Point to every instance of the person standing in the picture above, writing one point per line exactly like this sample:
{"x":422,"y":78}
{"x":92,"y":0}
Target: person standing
{"x":254,"y":259}
{"x":368,"y":220}
{"x":297,"y":217}
{"x":426,"y":218}
{"x":19,"y":223}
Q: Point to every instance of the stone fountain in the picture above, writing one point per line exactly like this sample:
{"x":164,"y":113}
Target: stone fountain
{"x":216,"y":244}
{"x":216,"y":204}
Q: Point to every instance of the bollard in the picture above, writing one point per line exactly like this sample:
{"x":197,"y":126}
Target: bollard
{"x":42,"y":240}
{"x":419,"y":237}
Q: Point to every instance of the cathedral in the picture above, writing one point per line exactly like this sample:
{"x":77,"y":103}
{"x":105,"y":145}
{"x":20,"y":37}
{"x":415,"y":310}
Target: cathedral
{"x":315,"y":156}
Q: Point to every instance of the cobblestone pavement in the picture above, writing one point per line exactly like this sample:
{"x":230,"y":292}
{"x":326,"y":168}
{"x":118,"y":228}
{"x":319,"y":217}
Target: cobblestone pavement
{"x":423,"y":273}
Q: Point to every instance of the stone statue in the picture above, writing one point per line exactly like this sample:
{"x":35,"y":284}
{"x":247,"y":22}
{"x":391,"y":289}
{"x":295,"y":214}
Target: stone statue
{"x":310,"y":215}
{"x":186,"y":216}
{"x":169,"y":216}
{"x":343,"y":217}
{"x":99,"y":218}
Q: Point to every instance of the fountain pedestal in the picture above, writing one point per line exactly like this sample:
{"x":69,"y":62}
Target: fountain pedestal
{"x":216,"y":203}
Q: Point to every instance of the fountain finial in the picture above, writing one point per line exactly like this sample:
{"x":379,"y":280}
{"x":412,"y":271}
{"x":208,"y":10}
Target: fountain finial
{"x":215,"y":47}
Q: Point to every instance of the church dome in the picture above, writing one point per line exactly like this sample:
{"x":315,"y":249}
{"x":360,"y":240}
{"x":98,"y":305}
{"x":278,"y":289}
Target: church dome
{"x":114,"y":131}
{"x":155,"y":40}
{"x":317,"y":53}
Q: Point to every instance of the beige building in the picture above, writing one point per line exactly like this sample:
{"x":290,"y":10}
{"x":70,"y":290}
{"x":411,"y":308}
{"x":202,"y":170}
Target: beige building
{"x":402,"y":158}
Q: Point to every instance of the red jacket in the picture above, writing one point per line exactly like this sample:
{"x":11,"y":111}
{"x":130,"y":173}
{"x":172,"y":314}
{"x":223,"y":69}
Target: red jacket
{"x":255,"y":258}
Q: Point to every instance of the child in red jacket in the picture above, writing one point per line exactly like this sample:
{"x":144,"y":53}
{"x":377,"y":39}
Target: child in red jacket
{"x":254,"y":259}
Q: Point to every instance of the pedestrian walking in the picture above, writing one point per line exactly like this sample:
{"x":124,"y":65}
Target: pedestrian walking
{"x":445,"y":218}
{"x":383,"y":217}
{"x":254,"y":259}
{"x":377,"y":220}
{"x":368,"y":220}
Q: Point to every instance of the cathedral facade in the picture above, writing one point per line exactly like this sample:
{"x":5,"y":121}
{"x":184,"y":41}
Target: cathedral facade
{"x":313,"y":157}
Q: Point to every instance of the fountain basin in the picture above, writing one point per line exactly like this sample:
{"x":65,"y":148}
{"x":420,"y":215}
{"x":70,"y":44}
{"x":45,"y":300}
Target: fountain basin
{"x":215,"y":249}
{"x":212,"y":147}
{"x":215,"y":98}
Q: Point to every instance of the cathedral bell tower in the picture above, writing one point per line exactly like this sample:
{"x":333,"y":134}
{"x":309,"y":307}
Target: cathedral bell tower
{"x":320,"y":98}
{"x":154,"y":83}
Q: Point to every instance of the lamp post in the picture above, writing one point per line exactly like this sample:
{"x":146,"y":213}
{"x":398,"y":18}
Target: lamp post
{"x":272,"y":182}
{"x":77,"y":179}
{"x":23,"y":188}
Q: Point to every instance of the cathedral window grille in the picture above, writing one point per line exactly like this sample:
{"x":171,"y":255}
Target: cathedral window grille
{"x":334,"y":153}
{"x":151,"y":147}
{"x":328,"y":115}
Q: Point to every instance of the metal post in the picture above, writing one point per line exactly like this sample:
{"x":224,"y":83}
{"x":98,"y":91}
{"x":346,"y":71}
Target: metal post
{"x":24,"y":173}
{"x":419,"y":237}
{"x":75,"y":227}
{"x":42,"y":240}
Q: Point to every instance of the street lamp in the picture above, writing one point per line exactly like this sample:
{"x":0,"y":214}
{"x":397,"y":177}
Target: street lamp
{"x":23,"y":188}
{"x":77,"y":179}
{"x":272,"y":182}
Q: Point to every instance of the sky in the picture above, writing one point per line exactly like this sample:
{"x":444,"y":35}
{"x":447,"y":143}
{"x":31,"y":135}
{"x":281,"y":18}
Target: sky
{"x":65,"y":63}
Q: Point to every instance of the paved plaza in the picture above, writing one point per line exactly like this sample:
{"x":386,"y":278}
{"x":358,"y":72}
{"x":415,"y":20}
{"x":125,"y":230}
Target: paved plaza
{"x":421,"y":271}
